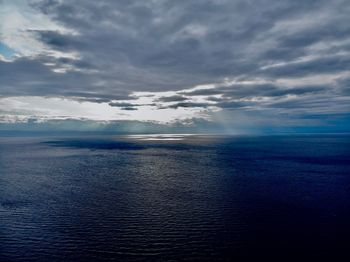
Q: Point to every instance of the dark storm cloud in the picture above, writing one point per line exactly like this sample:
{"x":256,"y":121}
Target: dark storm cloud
{"x":126,"y":46}
{"x":27,"y":76}
{"x":175,"y":98}
{"x":318,"y":105}
{"x":99,"y":98}
{"x":256,"y":90}
{"x":234,"y":104}
{"x":343,"y":85}
{"x":332,"y":64}
{"x":129,"y":108}
{"x":121,"y":104}
{"x":56,"y":39}
{"x":186,"y":105}
{"x":259,"y":96}
{"x":125,"y":105}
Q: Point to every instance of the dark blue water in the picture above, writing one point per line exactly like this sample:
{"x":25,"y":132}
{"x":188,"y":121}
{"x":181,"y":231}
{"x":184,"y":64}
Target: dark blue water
{"x":197,"y":198}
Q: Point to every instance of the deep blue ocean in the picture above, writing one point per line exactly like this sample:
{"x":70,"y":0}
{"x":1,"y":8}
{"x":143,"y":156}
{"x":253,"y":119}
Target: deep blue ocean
{"x":174,"y":198}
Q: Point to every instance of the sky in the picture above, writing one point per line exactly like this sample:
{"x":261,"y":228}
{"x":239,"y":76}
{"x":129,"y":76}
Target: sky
{"x":222,"y":66}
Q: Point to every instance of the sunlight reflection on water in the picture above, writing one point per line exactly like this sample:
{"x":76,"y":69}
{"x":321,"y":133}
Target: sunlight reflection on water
{"x":159,"y":137}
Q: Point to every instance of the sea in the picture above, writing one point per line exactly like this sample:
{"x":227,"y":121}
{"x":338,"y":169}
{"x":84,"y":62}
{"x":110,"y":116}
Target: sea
{"x":175,"y":197}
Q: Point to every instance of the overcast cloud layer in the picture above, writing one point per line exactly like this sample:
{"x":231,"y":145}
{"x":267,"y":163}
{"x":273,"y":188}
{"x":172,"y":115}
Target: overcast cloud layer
{"x":235,"y":63}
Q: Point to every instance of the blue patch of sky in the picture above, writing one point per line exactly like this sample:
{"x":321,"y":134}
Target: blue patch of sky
{"x":6,"y":51}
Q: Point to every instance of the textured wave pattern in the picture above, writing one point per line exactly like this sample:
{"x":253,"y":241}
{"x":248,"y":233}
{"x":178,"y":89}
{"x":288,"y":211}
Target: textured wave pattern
{"x":201,"y":198}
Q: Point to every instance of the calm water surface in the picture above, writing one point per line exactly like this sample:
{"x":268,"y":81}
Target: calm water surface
{"x":171,"y":198}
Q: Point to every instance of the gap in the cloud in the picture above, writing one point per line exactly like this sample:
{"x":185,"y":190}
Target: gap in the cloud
{"x":6,"y":51}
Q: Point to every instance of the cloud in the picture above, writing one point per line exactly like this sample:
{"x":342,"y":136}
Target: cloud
{"x":187,"y":105}
{"x":249,"y":55}
{"x":122,"y":104}
{"x":19,"y":21}
{"x":129,"y":108}
{"x":175,"y":98}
